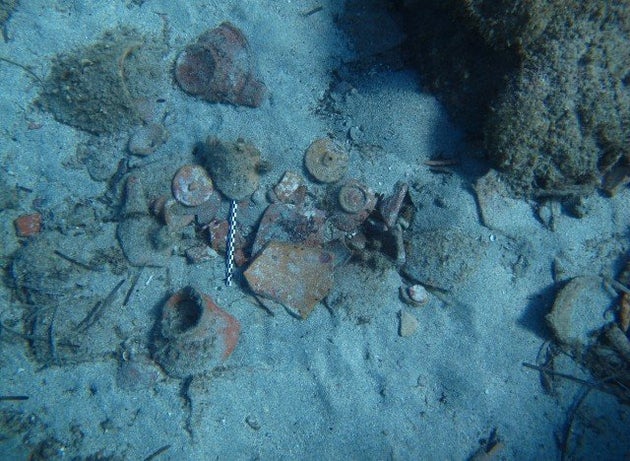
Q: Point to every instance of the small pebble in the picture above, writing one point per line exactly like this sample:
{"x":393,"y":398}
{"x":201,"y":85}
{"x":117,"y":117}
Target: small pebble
{"x":418,"y":294}
{"x":408,"y":324}
{"x":354,"y":133}
{"x":252,"y":422}
{"x":28,"y":225}
{"x":146,"y":139}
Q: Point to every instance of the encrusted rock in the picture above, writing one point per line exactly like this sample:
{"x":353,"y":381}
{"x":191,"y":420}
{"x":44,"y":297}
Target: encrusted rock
{"x":137,"y":230}
{"x":146,"y":139}
{"x":135,"y":200}
{"x":98,"y":88}
{"x":234,"y":166}
{"x":442,"y":258}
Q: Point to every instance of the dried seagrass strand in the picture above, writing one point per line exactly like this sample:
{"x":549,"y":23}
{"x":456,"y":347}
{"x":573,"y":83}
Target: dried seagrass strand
{"x":229,"y":251}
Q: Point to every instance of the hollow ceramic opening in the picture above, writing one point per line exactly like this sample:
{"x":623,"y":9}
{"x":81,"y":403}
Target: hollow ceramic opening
{"x":187,"y":314}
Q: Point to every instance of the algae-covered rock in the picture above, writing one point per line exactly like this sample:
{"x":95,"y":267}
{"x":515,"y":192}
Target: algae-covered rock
{"x":511,"y":23}
{"x":234,"y":166}
{"x":442,"y":258}
{"x":564,"y":119}
{"x":455,"y":61}
{"x":101,"y":88}
{"x":6,"y":9}
{"x":547,"y":81}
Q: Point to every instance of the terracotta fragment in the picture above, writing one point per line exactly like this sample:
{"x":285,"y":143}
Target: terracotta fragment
{"x":176,"y":216}
{"x":293,"y":275}
{"x":196,"y":335}
{"x":191,"y":185}
{"x":218,"y":230}
{"x":356,"y":202}
{"x":290,"y":223}
{"x":408,"y":324}
{"x":290,"y":189}
{"x":28,"y":225}
{"x":578,"y":311}
{"x":218,"y":67}
{"x":389,"y":207}
{"x":200,"y":253}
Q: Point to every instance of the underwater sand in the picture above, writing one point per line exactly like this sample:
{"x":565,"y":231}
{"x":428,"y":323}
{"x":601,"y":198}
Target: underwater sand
{"x":342,"y":384}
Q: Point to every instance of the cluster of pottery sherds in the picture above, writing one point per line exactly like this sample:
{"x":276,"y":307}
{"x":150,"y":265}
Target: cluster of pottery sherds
{"x":289,"y":255}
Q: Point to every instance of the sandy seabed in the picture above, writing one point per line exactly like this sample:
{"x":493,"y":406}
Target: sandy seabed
{"x":342,"y":384}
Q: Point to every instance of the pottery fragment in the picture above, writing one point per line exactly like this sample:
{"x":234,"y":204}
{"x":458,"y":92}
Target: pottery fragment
{"x":290,"y":223}
{"x":389,"y":207}
{"x":191,"y":185}
{"x":578,"y":310}
{"x":195,"y":334}
{"x":219,"y":67}
{"x":408,"y":324}
{"x":293,"y":275}
{"x":355,"y":202}
{"x":28,"y":225}
{"x":290,"y":189}
{"x":200,"y":253}
{"x":326,"y":160}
